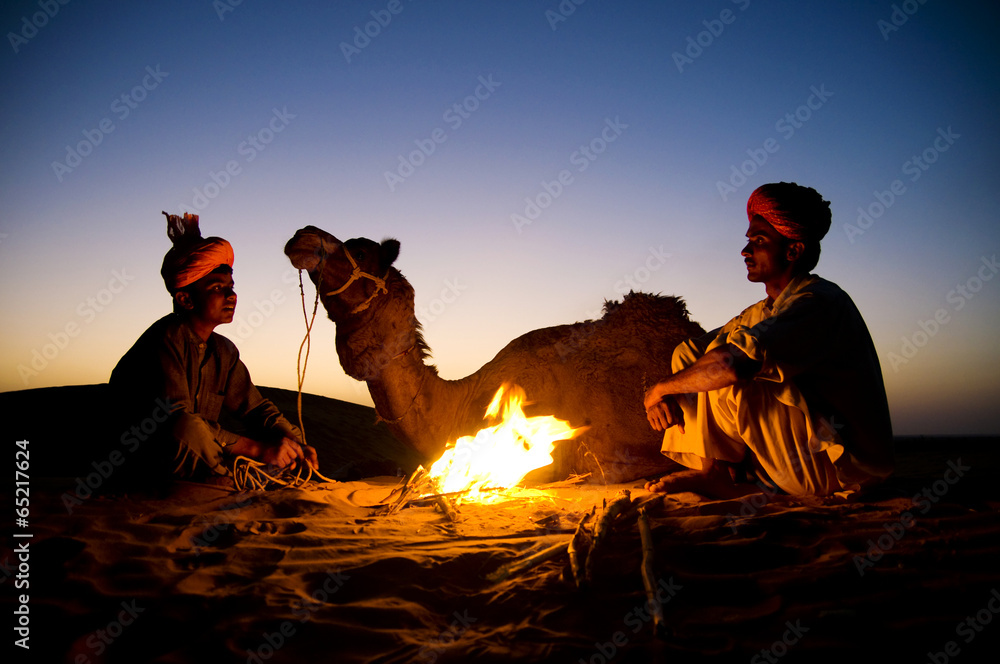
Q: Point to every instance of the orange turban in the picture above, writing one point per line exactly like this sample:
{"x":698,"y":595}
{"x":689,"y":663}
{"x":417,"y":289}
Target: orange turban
{"x":192,"y":256}
{"x":798,"y":213}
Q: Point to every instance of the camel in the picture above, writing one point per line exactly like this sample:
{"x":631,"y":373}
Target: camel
{"x":592,"y":374}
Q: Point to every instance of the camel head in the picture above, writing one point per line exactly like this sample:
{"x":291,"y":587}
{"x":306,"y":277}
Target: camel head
{"x":309,"y":247}
{"x":348,"y":275}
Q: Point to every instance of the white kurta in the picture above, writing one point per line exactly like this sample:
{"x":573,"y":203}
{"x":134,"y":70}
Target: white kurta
{"x":815,"y":417}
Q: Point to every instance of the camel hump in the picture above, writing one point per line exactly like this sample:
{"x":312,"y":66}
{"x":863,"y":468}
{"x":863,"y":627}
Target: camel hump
{"x":646,"y":306}
{"x":642,"y":328}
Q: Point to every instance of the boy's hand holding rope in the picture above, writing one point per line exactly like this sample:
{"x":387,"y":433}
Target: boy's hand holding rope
{"x":250,"y":474}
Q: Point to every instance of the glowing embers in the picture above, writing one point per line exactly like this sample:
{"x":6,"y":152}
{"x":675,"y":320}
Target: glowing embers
{"x":500,"y":455}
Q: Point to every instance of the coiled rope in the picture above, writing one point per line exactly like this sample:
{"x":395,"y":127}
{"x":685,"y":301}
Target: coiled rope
{"x":252,"y":475}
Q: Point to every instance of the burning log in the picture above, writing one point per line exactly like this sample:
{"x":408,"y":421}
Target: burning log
{"x":572,"y":480}
{"x":408,"y":493}
{"x":621,"y":503}
{"x":524,"y":564}
{"x":425,"y":499}
{"x":579,"y":546}
{"x":499,"y":455}
{"x":648,"y":579}
{"x":449,"y":511}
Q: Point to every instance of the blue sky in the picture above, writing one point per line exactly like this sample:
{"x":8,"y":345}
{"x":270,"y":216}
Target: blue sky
{"x":638,"y":129}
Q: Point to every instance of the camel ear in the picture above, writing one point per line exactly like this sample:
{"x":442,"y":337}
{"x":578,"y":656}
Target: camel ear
{"x":389,"y":252}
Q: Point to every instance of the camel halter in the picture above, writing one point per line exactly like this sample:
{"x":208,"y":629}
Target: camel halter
{"x":357,"y":274}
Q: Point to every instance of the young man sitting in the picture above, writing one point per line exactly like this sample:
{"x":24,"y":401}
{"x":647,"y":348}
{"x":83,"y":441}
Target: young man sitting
{"x":181,"y":365}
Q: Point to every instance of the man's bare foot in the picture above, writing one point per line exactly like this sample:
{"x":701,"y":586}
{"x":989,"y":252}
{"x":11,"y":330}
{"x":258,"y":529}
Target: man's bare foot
{"x":715,"y":481}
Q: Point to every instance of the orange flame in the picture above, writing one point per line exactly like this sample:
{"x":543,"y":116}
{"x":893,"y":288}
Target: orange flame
{"x":499,"y":456}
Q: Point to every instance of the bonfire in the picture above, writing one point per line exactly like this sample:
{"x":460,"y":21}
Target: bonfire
{"x":480,"y":467}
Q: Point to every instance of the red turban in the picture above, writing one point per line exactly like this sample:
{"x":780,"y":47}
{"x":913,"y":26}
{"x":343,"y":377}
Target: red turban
{"x":798,"y":213}
{"x":192,"y":256}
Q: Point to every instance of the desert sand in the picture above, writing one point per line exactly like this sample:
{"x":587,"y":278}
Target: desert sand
{"x":909,"y":572}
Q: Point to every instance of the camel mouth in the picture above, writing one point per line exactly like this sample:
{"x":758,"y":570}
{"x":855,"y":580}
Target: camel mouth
{"x":309,"y":247}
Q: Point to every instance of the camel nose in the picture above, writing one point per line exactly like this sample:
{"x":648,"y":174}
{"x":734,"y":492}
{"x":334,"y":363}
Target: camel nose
{"x":309,"y":246}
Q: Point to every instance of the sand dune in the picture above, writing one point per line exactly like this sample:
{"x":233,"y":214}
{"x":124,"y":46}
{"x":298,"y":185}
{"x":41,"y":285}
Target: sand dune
{"x":297,"y":575}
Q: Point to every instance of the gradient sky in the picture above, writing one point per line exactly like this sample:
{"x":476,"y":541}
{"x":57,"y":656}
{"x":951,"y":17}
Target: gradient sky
{"x":669,"y":99}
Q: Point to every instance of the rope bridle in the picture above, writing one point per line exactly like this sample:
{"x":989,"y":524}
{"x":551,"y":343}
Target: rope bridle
{"x":406,"y":411}
{"x":356,"y":274}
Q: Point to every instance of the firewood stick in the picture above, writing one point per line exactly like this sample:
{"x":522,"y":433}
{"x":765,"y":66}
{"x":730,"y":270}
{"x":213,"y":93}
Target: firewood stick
{"x":578,"y":548}
{"x":409,"y":489}
{"x":568,"y":482}
{"x":640,"y":503}
{"x":621,"y":502}
{"x":401,"y":502}
{"x":452,"y":494}
{"x":447,"y":508}
{"x":648,"y":579}
{"x":523,"y":564}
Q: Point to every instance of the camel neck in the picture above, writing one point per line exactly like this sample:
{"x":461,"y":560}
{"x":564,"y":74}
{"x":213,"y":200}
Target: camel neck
{"x":397,"y":388}
{"x":406,"y":391}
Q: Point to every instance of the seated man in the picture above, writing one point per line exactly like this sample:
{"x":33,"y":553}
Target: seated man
{"x":181,"y":366}
{"x":791,"y":388}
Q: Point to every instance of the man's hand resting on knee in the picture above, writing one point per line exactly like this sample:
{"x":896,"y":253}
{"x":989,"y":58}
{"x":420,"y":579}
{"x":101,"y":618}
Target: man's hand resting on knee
{"x":664,"y":413}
